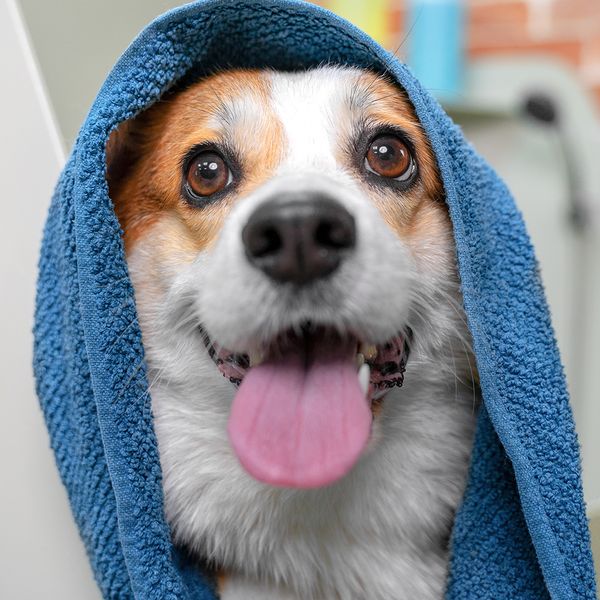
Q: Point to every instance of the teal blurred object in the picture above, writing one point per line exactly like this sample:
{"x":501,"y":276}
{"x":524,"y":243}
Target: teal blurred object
{"x":435,"y":45}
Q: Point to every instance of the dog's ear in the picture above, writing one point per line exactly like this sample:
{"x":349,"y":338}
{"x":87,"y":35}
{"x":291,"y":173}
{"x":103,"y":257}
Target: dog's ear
{"x":123,"y":150}
{"x":126,"y":149}
{"x":130,"y":142}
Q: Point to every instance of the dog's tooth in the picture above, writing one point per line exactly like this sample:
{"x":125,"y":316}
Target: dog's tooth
{"x":369,"y":351}
{"x":364,"y":377}
{"x":360,"y":360}
{"x":256,"y":357}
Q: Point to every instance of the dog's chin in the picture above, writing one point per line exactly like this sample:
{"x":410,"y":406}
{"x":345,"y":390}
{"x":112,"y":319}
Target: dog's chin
{"x":303,"y":410}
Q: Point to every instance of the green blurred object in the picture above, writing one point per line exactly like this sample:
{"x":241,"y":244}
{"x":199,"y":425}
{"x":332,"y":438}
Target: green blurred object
{"x":371,"y":16}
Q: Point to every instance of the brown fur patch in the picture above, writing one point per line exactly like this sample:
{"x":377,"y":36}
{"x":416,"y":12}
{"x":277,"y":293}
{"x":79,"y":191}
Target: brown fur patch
{"x":145,"y":155}
{"x":419,"y":211}
{"x":221,"y":582}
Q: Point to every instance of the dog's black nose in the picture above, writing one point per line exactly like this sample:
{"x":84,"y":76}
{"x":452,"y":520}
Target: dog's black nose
{"x":299,"y":238}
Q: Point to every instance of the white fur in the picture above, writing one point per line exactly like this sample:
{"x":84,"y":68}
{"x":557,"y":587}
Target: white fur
{"x":380,"y":532}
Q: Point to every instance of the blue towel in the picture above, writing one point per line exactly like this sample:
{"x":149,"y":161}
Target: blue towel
{"x":521,"y":531}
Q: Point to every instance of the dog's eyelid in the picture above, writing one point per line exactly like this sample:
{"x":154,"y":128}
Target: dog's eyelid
{"x":382,"y":129}
{"x":220,"y":147}
{"x":369,"y":129}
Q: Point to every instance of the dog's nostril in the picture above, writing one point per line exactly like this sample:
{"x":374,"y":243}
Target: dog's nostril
{"x":334,"y":234}
{"x":263,"y":241}
{"x":300,"y":238}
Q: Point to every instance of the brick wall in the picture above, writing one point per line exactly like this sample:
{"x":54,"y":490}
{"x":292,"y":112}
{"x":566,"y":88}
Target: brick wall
{"x":566,"y":29}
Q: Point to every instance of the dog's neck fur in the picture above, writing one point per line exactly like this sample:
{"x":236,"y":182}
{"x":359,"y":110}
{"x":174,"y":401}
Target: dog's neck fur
{"x":382,"y":531}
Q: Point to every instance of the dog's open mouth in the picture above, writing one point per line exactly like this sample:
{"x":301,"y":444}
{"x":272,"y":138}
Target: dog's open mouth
{"x":302,"y":414}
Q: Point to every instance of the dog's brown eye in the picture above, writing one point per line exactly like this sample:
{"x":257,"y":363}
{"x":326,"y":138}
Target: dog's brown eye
{"x":388,"y":156}
{"x":207,"y":174}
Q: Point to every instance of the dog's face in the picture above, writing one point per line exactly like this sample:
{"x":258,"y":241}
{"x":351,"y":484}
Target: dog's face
{"x":288,"y":245}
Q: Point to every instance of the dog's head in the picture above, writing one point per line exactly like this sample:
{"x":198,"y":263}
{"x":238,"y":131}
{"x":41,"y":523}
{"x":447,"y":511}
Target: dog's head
{"x":285,"y":231}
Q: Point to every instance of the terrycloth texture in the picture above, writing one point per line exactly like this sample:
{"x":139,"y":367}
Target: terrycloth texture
{"x":521,"y":531}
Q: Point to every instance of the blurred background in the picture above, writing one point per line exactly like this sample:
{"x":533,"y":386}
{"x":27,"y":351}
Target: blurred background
{"x":522,"y":78}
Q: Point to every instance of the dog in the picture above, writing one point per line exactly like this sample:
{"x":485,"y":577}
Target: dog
{"x":313,"y":386}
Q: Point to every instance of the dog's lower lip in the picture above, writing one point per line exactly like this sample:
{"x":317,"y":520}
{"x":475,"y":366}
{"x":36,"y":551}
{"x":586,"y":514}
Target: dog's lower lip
{"x":386,"y":362}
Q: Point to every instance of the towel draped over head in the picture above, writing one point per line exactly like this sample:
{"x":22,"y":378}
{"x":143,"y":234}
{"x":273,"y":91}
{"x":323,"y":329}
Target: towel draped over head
{"x":521,"y":531}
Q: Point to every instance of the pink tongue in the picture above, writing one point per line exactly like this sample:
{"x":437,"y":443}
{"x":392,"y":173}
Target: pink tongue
{"x":301,"y":420}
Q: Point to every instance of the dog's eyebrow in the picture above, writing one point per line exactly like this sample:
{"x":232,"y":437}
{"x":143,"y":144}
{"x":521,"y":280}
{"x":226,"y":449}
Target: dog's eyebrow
{"x":226,"y":112}
{"x":229,"y":112}
{"x":215,"y":110}
{"x":219,"y":107}
{"x":357,"y":98}
{"x":212,"y":105}
{"x":364,"y":94}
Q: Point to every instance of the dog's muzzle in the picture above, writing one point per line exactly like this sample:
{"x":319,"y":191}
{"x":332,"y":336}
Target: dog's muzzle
{"x":303,"y":412}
